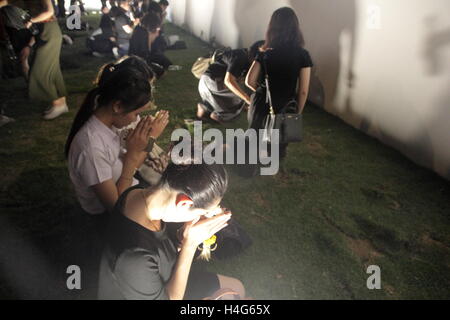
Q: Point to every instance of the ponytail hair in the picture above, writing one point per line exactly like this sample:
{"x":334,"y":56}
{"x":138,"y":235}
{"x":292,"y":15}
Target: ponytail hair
{"x":84,"y":113}
{"x":126,"y":81}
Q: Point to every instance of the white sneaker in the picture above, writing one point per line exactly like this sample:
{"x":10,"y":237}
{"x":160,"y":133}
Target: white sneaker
{"x":4,"y":120}
{"x":55,"y":112}
{"x":115,"y":52}
{"x":97,"y":54}
{"x":68,"y":39}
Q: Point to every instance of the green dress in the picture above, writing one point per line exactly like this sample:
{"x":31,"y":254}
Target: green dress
{"x":46,"y":81}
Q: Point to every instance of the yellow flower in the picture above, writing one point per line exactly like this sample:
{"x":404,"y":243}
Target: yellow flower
{"x":209,"y":242}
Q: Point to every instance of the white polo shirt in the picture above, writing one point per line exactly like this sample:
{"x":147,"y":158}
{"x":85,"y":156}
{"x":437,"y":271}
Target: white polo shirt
{"x":94,"y":157}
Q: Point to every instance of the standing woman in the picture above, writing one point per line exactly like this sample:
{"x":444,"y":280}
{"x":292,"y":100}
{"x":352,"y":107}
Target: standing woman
{"x":46,"y":82}
{"x":288,"y":65}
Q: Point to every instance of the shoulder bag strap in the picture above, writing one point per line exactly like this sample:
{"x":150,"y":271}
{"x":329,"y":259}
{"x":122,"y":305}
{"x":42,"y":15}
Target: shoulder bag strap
{"x":266,"y":79}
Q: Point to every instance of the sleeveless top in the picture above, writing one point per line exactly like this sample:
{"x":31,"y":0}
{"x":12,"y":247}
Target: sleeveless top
{"x":35,"y":7}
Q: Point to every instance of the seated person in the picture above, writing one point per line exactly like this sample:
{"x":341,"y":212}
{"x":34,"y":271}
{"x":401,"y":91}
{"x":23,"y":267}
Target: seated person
{"x":136,"y":9}
{"x":103,"y":40}
{"x":164,"y":4}
{"x":143,"y":260}
{"x":98,"y":167}
{"x":160,"y":42}
{"x":159,"y":46}
{"x":143,"y":38}
{"x":222,"y":97}
{"x":124,"y":24}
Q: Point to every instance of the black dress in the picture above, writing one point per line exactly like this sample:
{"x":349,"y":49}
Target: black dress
{"x":283,"y":68}
{"x":139,"y":46}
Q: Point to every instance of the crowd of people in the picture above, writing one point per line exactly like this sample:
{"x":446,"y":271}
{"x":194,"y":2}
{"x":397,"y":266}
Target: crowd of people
{"x":151,"y":231}
{"x":133,"y":28}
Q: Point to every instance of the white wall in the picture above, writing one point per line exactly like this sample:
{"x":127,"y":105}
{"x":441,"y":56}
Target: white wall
{"x":386,"y":74}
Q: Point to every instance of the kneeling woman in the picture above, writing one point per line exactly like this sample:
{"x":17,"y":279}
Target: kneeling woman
{"x":222,"y":97}
{"x":98,"y":168}
{"x":142,"y":260}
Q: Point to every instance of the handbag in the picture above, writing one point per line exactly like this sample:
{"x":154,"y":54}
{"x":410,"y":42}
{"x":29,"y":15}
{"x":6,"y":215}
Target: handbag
{"x":202,"y":64}
{"x":288,"y":121}
{"x":231,"y":241}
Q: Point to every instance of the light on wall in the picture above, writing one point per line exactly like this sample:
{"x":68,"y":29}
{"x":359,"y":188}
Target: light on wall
{"x":374,"y":17}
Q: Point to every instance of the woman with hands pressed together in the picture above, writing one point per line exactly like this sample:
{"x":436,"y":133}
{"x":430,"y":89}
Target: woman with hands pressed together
{"x":99,"y":169}
{"x":143,"y":260}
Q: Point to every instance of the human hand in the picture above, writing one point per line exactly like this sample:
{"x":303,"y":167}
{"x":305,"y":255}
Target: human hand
{"x":159,"y":123}
{"x":137,"y":139}
{"x":199,"y":230}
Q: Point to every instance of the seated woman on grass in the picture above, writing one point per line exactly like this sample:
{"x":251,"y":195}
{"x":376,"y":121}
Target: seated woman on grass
{"x":141,"y":260}
{"x":142,"y":40}
{"x":100,"y":171}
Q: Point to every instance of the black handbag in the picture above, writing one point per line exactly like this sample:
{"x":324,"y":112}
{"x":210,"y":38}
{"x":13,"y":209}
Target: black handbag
{"x":288,"y":122}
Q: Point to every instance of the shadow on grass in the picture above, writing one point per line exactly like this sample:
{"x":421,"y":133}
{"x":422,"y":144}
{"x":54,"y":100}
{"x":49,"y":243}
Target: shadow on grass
{"x":44,"y":232}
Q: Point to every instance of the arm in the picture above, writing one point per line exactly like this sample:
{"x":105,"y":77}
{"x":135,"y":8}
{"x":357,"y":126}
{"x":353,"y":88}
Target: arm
{"x":195,"y":232}
{"x":108,"y":192}
{"x":176,"y":287}
{"x":251,"y":80}
{"x":46,"y":14}
{"x":303,"y":88}
{"x":232,"y":84}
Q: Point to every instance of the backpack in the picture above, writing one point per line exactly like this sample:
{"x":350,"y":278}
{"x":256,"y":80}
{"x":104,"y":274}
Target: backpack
{"x":15,"y":17}
{"x":202,"y":64}
{"x":9,"y":62}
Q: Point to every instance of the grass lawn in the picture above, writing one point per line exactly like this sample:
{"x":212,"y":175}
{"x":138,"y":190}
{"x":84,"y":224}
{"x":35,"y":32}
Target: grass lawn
{"x":347,"y":202}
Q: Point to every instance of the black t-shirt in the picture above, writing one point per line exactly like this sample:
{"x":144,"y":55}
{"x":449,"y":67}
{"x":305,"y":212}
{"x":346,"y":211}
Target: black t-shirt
{"x":284,"y":66}
{"x":107,"y":25}
{"x":136,"y":262}
{"x":235,"y":62}
{"x":139,"y":43}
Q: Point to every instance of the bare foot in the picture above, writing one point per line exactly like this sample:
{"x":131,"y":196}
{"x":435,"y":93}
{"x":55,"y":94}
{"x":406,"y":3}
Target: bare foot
{"x":200,"y":111}
{"x":216,"y":118}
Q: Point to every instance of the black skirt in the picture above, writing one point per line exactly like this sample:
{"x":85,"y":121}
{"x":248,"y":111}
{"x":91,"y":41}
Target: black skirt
{"x":201,"y":284}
